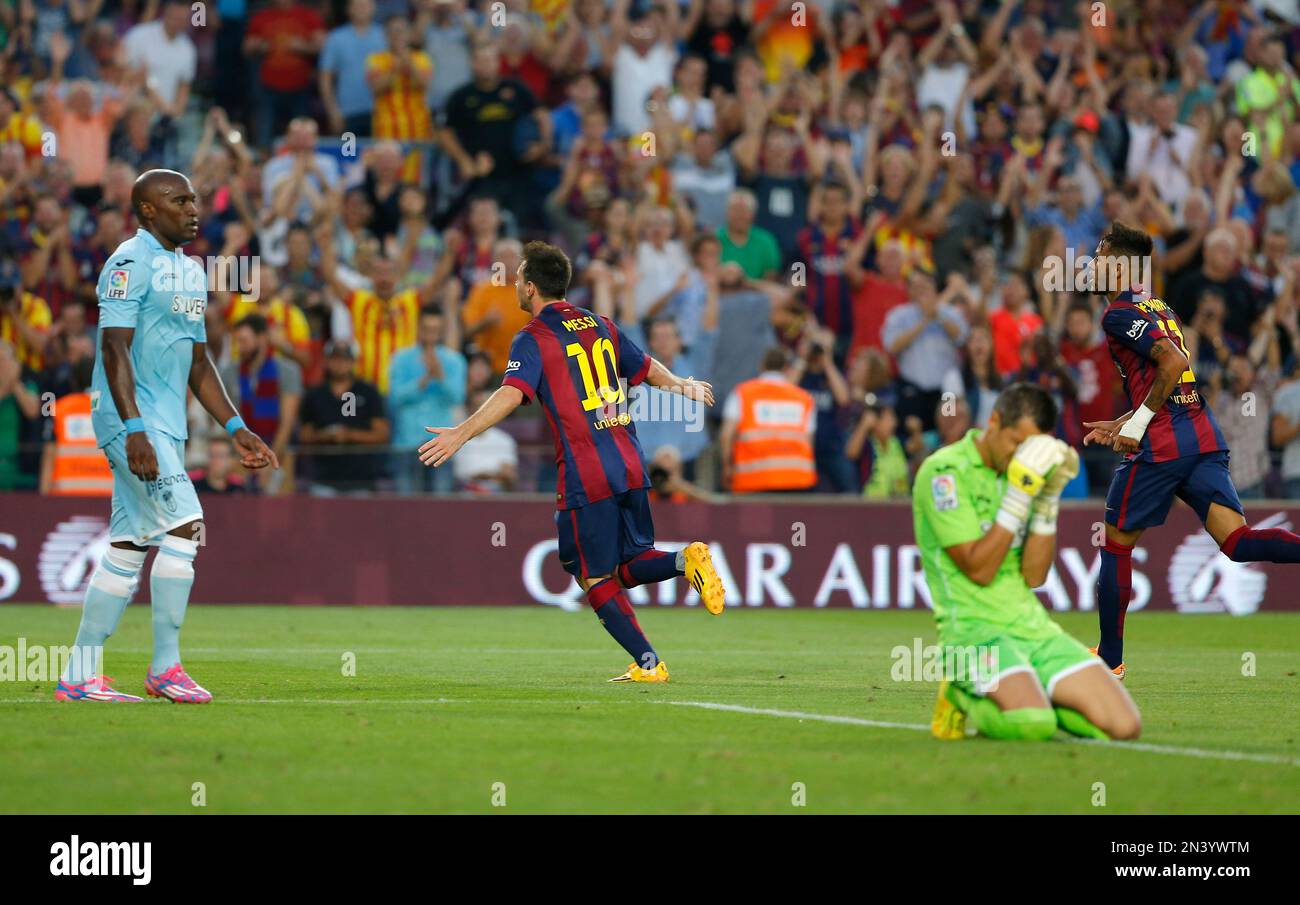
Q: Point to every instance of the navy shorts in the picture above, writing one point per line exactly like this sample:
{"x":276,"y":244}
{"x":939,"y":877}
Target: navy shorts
{"x":1141,"y":493}
{"x":597,"y":538}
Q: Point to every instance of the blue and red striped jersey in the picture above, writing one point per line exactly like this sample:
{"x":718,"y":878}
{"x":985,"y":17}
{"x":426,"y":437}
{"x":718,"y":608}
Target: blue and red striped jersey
{"x":829,"y":294}
{"x":1184,"y":425}
{"x":575,"y":363}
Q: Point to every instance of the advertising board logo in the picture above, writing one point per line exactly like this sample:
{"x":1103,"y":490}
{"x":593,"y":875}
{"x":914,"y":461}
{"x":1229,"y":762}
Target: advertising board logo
{"x":69,"y":556}
{"x":1202,"y":579}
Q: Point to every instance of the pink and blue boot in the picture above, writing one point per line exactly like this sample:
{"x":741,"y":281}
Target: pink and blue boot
{"x":96,"y":688}
{"x":176,"y":686}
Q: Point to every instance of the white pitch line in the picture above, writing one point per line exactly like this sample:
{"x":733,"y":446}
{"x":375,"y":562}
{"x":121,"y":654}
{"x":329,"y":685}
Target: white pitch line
{"x":360,"y":702}
{"x":797,"y":715}
{"x":1199,"y":753}
{"x":1202,"y":753}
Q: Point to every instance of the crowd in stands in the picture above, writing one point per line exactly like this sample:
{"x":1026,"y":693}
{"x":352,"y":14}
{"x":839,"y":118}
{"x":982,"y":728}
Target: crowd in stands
{"x":874,"y":212}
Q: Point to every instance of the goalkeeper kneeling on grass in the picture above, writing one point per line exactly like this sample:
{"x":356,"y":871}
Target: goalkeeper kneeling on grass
{"x":985,"y":515}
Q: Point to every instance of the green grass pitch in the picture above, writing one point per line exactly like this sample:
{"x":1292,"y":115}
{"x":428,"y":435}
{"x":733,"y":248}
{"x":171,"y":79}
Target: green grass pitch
{"x":448,"y":702}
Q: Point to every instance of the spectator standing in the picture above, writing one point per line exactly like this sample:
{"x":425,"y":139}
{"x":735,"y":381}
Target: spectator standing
{"x":449,"y":30}
{"x":72,"y":463}
{"x":752,"y":247}
{"x":492,"y":314}
{"x":925,"y":337}
{"x":831,"y":254}
{"x":767,"y":432}
{"x":643,"y":62}
{"x":163,"y":52}
{"x":342,"y":83}
{"x":1013,"y":323}
{"x":489,"y":463}
{"x":25,"y":325}
{"x":815,"y":371}
{"x":19,"y":414}
{"x":1286,"y":430}
{"x":669,"y":419}
{"x":977,"y":381}
{"x":344,"y":427}
{"x":399,"y":79}
{"x":1241,"y":399}
{"x":427,"y":383}
{"x":266,"y":389}
{"x":220,"y":475}
{"x":284,"y":37}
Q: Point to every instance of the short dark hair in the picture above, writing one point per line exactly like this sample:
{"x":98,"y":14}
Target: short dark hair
{"x":1022,"y":400}
{"x":776,"y":359}
{"x":1081,"y":305}
{"x":1122,"y":239}
{"x":547,"y":268}
{"x":703,"y":239}
{"x":255,"y":322}
{"x":433,"y":309}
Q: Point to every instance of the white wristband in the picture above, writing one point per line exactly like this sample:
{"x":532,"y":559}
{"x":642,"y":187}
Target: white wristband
{"x":1014,"y":510}
{"x":1046,"y":510}
{"x":1136,"y":426}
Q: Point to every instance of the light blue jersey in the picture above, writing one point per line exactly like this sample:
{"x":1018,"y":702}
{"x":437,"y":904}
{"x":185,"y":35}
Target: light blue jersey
{"x":162,"y":295}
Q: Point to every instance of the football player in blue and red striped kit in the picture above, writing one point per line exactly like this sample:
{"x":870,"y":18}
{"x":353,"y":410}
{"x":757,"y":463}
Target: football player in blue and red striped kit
{"x":573,"y":363}
{"x":1170,"y":439}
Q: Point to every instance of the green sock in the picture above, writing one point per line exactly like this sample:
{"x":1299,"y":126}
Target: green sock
{"x":1075,"y":723}
{"x":1023,"y":723}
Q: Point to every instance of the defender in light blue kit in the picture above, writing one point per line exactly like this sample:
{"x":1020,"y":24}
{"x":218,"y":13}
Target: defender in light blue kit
{"x":152,"y":349}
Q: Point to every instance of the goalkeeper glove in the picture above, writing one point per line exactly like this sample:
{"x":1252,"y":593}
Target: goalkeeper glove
{"x":1026,"y":476}
{"x":1048,"y":504}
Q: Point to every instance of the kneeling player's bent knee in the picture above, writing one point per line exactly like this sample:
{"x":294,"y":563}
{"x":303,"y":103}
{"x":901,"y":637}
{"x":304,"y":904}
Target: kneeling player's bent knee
{"x":1124,"y":724}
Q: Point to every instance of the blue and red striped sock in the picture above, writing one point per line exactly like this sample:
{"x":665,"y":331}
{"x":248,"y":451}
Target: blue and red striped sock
{"x":1248,"y":544}
{"x":650,"y":567}
{"x":614,"y":611}
{"x":1114,"y":590}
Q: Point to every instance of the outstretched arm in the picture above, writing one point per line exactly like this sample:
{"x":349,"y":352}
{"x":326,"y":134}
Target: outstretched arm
{"x":664,"y":379}
{"x":207,"y":387}
{"x":449,"y":439}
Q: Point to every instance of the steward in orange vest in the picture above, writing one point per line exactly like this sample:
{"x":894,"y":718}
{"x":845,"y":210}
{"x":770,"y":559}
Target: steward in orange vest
{"x":767,"y":432}
{"x":73,"y":464}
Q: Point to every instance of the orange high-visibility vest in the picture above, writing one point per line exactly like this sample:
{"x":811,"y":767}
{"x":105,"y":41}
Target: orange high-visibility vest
{"x":80,"y":466}
{"x":773,"y":448}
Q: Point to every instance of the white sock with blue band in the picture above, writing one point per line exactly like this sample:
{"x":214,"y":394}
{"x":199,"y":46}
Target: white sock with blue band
{"x":170,"y":581}
{"x":111,"y":586}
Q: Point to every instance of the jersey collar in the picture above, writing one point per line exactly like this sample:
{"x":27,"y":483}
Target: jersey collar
{"x":150,"y":239}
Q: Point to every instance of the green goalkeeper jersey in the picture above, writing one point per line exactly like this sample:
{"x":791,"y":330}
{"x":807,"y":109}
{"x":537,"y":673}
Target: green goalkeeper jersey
{"x":955,"y":500}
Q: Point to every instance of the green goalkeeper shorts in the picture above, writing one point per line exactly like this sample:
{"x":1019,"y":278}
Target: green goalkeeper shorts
{"x":980,"y":667}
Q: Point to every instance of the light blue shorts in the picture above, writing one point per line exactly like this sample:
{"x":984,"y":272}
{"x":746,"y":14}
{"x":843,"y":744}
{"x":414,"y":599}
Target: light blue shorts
{"x":144,"y":511}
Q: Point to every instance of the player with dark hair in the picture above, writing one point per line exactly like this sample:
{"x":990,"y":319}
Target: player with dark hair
{"x":574,"y":363}
{"x":985,"y":511}
{"x":152,"y":351}
{"x":1170,"y":438}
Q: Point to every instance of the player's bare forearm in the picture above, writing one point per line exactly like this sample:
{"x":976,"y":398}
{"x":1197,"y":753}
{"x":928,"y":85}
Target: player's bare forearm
{"x":207,"y":386}
{"x":1036,"y":558}
{"x":500,"y":404}
{"x":1170,"y":365}
{"x":447,"y":440}
{"x":117,"y":368}
{"x":979,"y":560}
{"x":664,"y":379}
